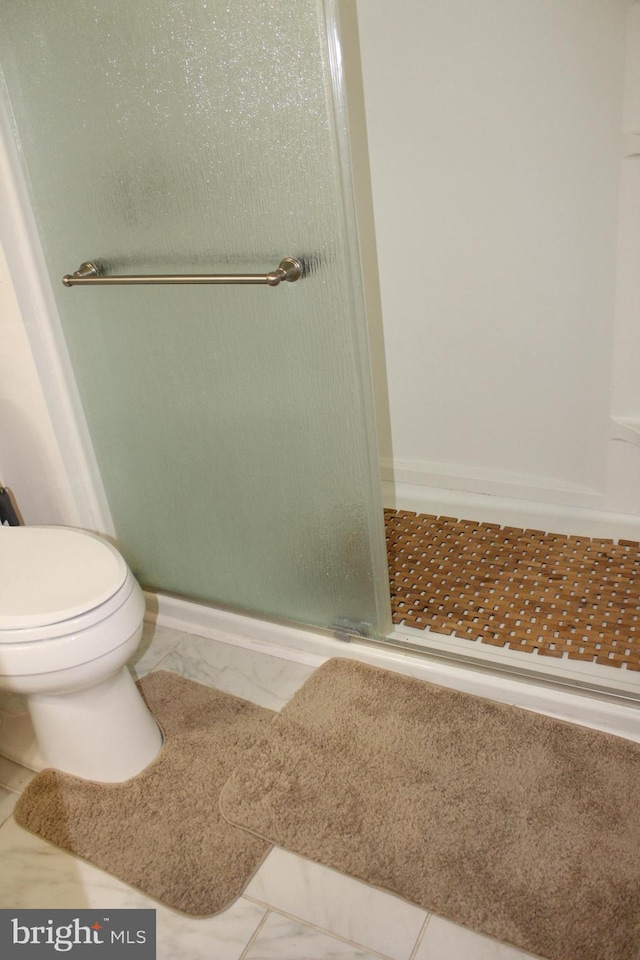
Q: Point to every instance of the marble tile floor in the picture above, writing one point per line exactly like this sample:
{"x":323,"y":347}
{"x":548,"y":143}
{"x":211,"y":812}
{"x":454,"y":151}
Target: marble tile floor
{"x":291,"y":910}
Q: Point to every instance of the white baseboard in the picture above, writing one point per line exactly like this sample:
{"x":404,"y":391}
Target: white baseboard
{"x":551,"y":517}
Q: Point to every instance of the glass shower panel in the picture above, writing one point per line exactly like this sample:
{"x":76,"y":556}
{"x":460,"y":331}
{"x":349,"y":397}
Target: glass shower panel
{"x":233,"y":425}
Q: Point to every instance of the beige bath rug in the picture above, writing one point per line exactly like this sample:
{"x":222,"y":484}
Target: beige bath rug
{"x":516,"y":825}
{"x":162,"y":831}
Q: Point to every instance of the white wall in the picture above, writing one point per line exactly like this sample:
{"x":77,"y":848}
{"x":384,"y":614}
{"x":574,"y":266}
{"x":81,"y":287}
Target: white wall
{"x":46,"y":457}
{"x":624,"y":447}
{"x":30,"y":458}
{"x":495,"y":149}
{"x":494,"y":134}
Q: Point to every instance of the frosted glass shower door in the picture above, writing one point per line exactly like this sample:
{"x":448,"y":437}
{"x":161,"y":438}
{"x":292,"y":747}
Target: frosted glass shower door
{"x":233,"y":425}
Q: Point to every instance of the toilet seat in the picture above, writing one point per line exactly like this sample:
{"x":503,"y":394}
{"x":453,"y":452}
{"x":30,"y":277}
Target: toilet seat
{"x":98,"y":604}
{"x":53,"y":575}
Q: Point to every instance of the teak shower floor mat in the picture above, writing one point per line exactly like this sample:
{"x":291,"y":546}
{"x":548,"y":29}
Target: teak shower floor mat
{"x":162,"y":831}
{"x":547,"y":593}
{"x":514,"y":824}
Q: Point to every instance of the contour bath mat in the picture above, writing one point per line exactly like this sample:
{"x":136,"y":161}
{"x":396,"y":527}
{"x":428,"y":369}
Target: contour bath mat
{"x":162,"y":831}
{"x":516,"y":825}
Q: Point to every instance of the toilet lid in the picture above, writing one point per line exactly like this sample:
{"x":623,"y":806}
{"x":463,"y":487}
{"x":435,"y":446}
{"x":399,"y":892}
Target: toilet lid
{"x":51,"y":574}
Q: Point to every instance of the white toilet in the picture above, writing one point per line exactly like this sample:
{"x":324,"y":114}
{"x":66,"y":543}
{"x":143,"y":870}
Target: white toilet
{"x":70,"y":618}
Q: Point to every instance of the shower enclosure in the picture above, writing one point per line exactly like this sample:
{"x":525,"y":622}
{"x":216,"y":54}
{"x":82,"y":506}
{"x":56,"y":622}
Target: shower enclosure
{"x":232,"y":421}
{"x":187,"y":163}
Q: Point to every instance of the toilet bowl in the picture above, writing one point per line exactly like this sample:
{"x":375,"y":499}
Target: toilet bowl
{"x":71,"y":616}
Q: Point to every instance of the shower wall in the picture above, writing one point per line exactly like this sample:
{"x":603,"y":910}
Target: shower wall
{"x":502,"y":143}
{"x":496,"y":153}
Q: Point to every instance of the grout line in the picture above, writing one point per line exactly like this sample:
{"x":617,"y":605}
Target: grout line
{"x":323,"y":930}
{"x":255,"y":933}
{"x":21,"y":771}
{"x":3,"y":823}
{"x":5,"y":786}
{"x":158,"y":665}
{"x":261,"y":903}
{"x":420,"y":937}
{"x":168,"y":653}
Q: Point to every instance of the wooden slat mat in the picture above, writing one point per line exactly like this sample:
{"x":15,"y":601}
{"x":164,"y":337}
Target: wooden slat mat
{"x":523,"y":589}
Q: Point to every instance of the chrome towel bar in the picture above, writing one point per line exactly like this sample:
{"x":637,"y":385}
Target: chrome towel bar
{"x":288,"y":269}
